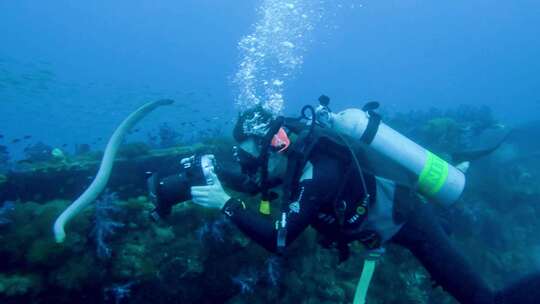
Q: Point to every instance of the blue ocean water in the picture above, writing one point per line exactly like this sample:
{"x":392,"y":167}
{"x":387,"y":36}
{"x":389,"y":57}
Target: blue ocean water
{"x":81,"y":67}
{"x":71,"y":71}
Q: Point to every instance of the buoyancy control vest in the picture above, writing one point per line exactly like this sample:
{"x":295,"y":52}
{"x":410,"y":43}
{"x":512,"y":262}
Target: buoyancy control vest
{"x":360,"y":131}
{"x":312,"y":136}
{"x":360,"y":135}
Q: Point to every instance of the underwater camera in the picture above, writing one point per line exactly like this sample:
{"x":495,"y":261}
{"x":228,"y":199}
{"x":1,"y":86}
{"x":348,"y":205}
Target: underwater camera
{"x":174,"y":189}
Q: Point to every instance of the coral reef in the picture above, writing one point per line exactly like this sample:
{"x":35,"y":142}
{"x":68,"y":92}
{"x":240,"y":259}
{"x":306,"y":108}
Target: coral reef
{"x":105,"y":226}
{"x":196,"y":256}
{"x":38,"y":152}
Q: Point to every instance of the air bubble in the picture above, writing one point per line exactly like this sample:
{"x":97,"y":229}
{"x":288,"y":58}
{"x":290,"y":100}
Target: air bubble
{"x":273,"y":53}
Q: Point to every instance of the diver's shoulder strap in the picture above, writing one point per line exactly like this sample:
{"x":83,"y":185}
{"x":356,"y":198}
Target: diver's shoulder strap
{"x":297,"y":157}
{"x":360,"y":295}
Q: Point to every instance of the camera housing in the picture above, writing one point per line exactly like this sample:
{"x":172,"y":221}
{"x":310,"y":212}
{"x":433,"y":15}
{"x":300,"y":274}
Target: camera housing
{"x":174,"y":189}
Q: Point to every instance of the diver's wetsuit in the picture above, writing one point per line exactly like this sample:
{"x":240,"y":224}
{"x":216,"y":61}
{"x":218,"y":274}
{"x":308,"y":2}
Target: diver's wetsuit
{"x":313,"y":204}
{"x":411,"y":224}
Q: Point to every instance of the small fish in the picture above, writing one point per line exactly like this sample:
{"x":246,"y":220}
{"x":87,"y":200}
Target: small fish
{"x":16,"y":140}
{"x":1,"y":136}
{"x":136,"y":130}
{"x":99,"y":138}
{"x":64,"y":145}
{"x":27,"y":137}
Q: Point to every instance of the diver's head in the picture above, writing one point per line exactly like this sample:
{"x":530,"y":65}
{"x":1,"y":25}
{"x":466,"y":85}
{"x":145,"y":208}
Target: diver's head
{"x":263,"y":129}
{"x":262,"y":141}
{"x":253,"y":123}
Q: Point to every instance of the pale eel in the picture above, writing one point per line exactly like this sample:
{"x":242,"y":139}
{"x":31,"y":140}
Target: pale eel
{"x":102,"y":177}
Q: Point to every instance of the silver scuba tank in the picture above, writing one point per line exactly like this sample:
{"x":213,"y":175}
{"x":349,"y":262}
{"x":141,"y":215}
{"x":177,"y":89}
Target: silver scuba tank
{"x":431,"y":175}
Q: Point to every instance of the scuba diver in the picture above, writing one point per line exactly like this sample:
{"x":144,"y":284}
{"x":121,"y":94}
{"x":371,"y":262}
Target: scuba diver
{"x":328,"y":180}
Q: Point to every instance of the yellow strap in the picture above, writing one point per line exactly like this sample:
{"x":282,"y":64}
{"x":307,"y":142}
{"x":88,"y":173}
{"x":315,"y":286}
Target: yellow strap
{"x":433,"y":175}
{"x":264,"y":207}
{"x":360,"y":294}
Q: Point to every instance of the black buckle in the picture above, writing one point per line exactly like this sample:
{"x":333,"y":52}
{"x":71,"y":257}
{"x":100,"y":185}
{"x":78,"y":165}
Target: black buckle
{"x":281,"y":240}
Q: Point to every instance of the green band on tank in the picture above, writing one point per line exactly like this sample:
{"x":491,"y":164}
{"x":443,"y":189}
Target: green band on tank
{"x":433,"y":175}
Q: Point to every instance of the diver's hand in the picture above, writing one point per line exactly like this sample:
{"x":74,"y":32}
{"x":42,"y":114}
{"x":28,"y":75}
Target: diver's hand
{"x":210,"y":196}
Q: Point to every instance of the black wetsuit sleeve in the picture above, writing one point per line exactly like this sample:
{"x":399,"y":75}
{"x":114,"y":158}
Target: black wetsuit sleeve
{"x":230,"y":174}
{"x":263,"y":230}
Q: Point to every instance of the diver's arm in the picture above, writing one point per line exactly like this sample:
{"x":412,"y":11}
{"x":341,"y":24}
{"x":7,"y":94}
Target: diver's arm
{"x":263,"y":230}
{"x":316,"y":186}
{"x":231,"y":175}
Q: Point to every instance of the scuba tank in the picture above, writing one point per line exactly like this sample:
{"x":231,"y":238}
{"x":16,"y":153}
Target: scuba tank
{"x":429,"y":174}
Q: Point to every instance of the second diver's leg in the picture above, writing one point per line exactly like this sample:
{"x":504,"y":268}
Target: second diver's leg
{"x":426,"y":239}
